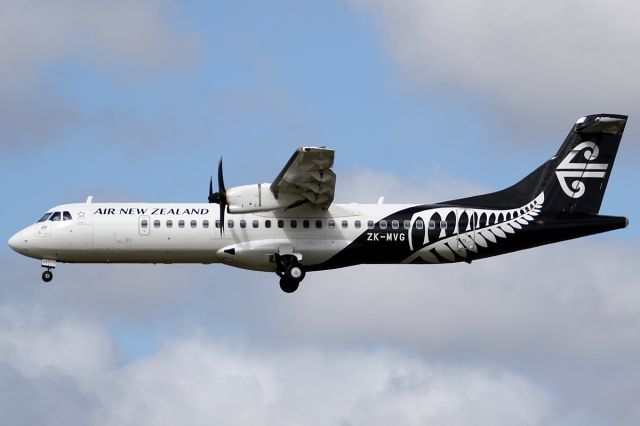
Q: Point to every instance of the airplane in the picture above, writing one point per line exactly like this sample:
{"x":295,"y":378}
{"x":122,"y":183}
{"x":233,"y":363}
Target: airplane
{"x":291,"y":226}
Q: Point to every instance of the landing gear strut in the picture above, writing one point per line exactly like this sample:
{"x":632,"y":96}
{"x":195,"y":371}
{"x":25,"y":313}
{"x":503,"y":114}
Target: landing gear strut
{"x":290,"y":271}
{"x":49,"y":264}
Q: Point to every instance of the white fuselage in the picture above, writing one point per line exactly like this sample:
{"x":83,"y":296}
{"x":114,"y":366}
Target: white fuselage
{"x":187,"y":233}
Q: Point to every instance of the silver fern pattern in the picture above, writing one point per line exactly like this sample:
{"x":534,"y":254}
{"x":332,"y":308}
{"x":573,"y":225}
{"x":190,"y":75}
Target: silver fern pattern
{"x":482,"y":227}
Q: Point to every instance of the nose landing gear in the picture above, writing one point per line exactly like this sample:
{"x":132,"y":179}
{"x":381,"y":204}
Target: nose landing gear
{"x":290,"y":271}
{"x":47,"y":275}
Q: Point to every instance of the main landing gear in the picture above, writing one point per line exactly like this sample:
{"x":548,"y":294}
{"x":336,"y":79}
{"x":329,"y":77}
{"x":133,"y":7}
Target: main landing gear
{"x":47,"y":275}
{"x":290,"y":271}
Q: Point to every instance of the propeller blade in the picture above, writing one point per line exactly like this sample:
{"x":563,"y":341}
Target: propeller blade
{"x":210,"y":198}
{"x":222,"y":209}
{"x":219,"y":197}
{"x":221,"y":187}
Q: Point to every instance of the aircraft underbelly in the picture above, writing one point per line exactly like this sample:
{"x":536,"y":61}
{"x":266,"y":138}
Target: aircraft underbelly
{"x":259,"y":255}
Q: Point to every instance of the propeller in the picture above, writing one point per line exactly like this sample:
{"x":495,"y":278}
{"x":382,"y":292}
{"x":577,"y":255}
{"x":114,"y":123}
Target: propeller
{"x":219,"y":197}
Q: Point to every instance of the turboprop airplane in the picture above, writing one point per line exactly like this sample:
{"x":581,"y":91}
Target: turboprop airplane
{"x":292,"y":226}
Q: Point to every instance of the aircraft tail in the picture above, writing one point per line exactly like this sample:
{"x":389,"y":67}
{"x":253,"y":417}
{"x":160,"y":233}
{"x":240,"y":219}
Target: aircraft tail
{"x":574,"y":180}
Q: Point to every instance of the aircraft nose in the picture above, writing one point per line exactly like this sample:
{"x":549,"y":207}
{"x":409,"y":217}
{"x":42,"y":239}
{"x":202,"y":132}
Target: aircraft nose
{"x":17,"y":243}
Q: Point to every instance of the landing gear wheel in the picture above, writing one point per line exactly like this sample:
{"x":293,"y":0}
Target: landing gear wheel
{"x":47,"y":276}
{"x":295,"y":272}
{"x":290,"y":271}
{"x":288,"y":286}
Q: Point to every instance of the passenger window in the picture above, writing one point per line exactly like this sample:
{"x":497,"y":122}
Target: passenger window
{"x":443,"y":224}
{"x":144,"y":223}
{"x":383,"y":224}
{"x":255,"y":223}
{"x":357,"y":224}
{"x":432,"y":224}
{"x":181,"y":224}
{"x":243,"y":223}
{"x":294,"y":223}
{"x":345,"y":224}
{"x":230,"y":223}
{"x":55,"y":217}
{"x":395,"y":224}
{"x":370,"y":224}
{"x":318,"y":224}
{"x":194,"y":223}
{"x":45,"y":217}
{"x":332,"y":223}
{"x":217,"y":223}
{"x":205,"y":223}
{"x":419,"y":224}
{"x":66,"y":216}
{"x":156,"y":224}
{"x":406,"y":224}
{"x":169,"y":223}
{"x":267,"y":223}
{"x":305,"y":223}
{"x":280,"y":223}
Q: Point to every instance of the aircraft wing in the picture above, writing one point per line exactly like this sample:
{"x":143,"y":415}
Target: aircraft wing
{"x":308,"y":175}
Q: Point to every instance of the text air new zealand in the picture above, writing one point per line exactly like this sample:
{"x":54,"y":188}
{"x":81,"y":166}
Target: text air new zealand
{"x":291,"y":226}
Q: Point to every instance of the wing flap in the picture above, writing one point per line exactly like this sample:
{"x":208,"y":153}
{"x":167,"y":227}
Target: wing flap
{"x":308,"y":175}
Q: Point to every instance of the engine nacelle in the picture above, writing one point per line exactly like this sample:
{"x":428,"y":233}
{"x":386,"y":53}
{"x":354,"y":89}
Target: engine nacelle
{"x":256,"y":198}
{"x":256,"y":255}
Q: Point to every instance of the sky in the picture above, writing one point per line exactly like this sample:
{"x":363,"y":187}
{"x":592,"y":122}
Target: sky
{"x":423,"y":101}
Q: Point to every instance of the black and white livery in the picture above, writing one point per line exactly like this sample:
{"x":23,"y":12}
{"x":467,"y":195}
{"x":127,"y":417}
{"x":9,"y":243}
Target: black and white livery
{"x":291,"y":226}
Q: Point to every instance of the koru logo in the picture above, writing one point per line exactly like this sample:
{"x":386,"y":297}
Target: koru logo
{"x":568,"y":170}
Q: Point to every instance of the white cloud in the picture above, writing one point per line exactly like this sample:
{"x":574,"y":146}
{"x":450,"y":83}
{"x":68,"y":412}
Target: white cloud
{"x":121,"y":37}
{"x":196,"y":379}
{"x":120,"y":293}
{"x":540,"y":58}
{"x":365,"y":186}
{"x":567,"y":314}
{"x":38,"y":33}
{"x":33,"y":346}
{"x":322,"y":387}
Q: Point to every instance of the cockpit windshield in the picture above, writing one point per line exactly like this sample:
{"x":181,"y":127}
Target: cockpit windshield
{"x":56,"y":216}
{"x":45,"y":217}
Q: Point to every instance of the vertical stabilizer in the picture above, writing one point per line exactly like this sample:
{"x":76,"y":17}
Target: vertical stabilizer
{"x":574,"y":180}
{"x":583,"y":164}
